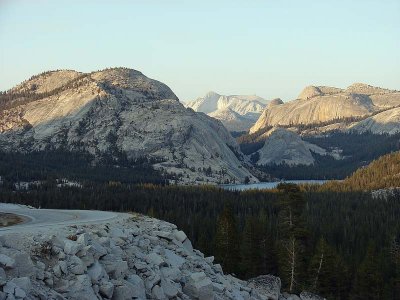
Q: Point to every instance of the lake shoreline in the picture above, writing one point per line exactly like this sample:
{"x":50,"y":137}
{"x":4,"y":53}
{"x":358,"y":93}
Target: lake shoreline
{"x":267,"y":185}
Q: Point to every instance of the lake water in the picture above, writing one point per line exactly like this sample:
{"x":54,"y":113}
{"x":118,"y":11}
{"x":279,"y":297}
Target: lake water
{"x":266,"y":185}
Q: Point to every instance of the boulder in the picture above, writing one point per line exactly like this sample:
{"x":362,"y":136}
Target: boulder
{"x":157,"y":293}
{"x":71,"y":247}
{"x":76,"y":265}
{"x":81,"y":289}
{"x":106,"y":289}
{"x":173,"y":260}
{"x":173,"y":273}
{"x":266,"y":285}
{"x":114,"y":267}
{"x":180,"y":236}
{"x":118,"y":233}
{"x":187,"y":244}
{"x":9,"y":288}
{"x":23,"y":265}
{"x":96,"y":250}
{"x":83,"y":239}
{"x":199,"y":286}
{"x":155,"y":259}
{"x":164,"y":235}
{"x":3,"y":276}
{"x":138,"y":283}
{"x":6,"y":261}
{"x":96,"y":272}
{"x":125,"y":290}
{"x":169,"y":287}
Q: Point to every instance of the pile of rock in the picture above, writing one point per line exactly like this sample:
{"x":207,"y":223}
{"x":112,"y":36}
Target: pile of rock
{"x":137,"y":258}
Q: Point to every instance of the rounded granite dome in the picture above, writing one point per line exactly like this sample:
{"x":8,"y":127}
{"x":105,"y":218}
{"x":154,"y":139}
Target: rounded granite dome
{"x":310,"y":92}
{"x":135,"y":81}
{"x":275,"y":102}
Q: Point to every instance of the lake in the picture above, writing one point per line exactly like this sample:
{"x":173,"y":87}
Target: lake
{"x":266,"y":185}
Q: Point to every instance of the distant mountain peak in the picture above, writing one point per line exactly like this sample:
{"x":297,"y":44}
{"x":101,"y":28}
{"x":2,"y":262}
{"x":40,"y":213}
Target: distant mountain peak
{"x":247,"y":109}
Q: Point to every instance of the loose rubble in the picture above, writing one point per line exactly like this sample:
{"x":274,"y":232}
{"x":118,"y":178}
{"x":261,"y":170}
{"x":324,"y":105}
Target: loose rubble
{"x":136,"y":258}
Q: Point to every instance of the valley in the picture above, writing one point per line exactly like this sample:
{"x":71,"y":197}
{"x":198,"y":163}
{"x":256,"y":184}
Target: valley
{"x":199,"y":150}
{"x":89,"y":148}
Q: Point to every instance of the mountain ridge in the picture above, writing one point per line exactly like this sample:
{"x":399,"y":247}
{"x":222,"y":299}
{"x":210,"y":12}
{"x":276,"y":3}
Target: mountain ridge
{"x":248,"y":106}
{"x":319,"y":104}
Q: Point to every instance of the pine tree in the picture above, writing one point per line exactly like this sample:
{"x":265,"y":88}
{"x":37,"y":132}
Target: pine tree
{"x":268,"y":263}
{"x":227,"y":243}
{"x":328,"y":273}
{"x":251,"y":251}
{"x":368,"y":284}
{"x":292,"y":236}
{"x":395,"y":255}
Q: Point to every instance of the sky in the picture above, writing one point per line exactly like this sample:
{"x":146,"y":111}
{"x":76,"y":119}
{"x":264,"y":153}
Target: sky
{"x":272,"y":48}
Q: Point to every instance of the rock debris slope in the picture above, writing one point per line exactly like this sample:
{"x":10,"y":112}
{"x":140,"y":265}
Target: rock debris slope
{"x":236,"y":112}
{"x":134,"y":257}
{"x":118,"y":111}
{"x":317,"y":104}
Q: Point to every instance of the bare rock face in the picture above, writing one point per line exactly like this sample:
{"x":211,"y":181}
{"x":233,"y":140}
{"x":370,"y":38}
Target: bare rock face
{"x":118,"y":110}
{"x":232,"y":120}
{"x":284,"y":146}
{"x":318,"y":104}
{"x":385,"y":122}
{"x":236,"y":112}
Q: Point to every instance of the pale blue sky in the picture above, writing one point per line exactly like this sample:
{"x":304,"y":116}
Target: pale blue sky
{"x":269,"y":48}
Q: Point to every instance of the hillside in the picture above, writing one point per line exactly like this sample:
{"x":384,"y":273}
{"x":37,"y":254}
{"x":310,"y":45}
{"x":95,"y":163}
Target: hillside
{"x":382,"y":173}
{"x":120,"y":114}
{"x":236,"y":112}
{"x":325,"y":105}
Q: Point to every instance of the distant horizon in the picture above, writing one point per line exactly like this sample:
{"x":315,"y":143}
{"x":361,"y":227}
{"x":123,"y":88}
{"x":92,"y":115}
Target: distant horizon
{"x":205,"y":93}
{"x":268,"y":49}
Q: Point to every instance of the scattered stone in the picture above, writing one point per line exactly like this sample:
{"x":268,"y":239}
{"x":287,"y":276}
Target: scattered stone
{"x":3,"y":276}
{"x":157,"y":293}
{"x":76,"y":266}
{"x":106,"y":289}
{"x":155,"y":259}
{"x":142,"y":258}
{"x":199,"y":286}
{"x":23,"y":283}
{"x":6,"y":262}
{"x":125,"y":290}
{"x":71,"y":247}
{"x":96,"y":272}
{"x":83,"y":239}
{"x":180,"y":236}
{"x":164,"y":235}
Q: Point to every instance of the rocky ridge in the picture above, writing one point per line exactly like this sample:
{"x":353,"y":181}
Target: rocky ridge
{"x":118,"y":111}
{"x":322,"y":104}
{"x":236,"y":112}
{"x":133,"y":257}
